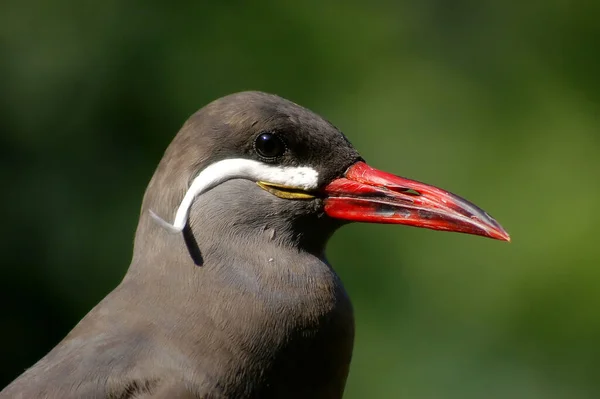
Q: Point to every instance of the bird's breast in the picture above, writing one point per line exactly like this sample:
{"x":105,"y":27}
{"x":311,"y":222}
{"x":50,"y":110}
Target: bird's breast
{"x":288,"y":326}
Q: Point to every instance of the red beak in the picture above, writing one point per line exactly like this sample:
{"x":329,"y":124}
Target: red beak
{"x":366,"y":194}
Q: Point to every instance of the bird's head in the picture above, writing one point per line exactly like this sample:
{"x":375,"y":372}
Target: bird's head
{"x":254,"y":161}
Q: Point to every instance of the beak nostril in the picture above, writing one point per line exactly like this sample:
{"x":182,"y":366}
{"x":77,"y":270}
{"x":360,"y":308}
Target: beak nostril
{"x":407,"y":191}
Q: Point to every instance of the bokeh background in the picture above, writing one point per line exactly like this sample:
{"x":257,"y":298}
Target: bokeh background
{"x":497,"y":101}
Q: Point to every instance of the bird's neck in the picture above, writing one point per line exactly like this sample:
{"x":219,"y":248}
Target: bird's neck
{"x":250,"y":284}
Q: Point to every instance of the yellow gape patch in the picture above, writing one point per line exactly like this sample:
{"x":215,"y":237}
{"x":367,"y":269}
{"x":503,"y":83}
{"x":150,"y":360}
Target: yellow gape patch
{"x":286,"y":192}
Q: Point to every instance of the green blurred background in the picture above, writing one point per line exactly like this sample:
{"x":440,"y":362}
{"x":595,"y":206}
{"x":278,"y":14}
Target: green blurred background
{"x":497,"y":101}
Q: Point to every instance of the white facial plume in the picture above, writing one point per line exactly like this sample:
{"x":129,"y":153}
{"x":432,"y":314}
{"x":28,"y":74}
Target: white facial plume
{"x":302,"y":177}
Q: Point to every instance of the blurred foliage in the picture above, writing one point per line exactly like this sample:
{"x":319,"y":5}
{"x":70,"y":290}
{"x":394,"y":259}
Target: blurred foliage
{"x":497,"y":101}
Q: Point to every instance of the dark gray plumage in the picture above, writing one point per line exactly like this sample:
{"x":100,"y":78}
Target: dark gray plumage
{"x":246,"y":306}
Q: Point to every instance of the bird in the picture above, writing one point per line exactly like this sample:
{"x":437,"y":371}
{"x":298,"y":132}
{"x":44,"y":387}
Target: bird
{"x":229,"y":293}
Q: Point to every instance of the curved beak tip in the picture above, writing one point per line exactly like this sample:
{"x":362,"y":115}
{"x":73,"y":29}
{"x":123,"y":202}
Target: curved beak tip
{"x":503,"y":235}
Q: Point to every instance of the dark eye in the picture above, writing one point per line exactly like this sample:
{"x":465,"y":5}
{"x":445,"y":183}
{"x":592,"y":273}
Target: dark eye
{"x":269,"y":145}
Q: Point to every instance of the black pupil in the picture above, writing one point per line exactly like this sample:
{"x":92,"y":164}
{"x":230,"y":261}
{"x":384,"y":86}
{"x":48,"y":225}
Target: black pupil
{"x":268,"y":145}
